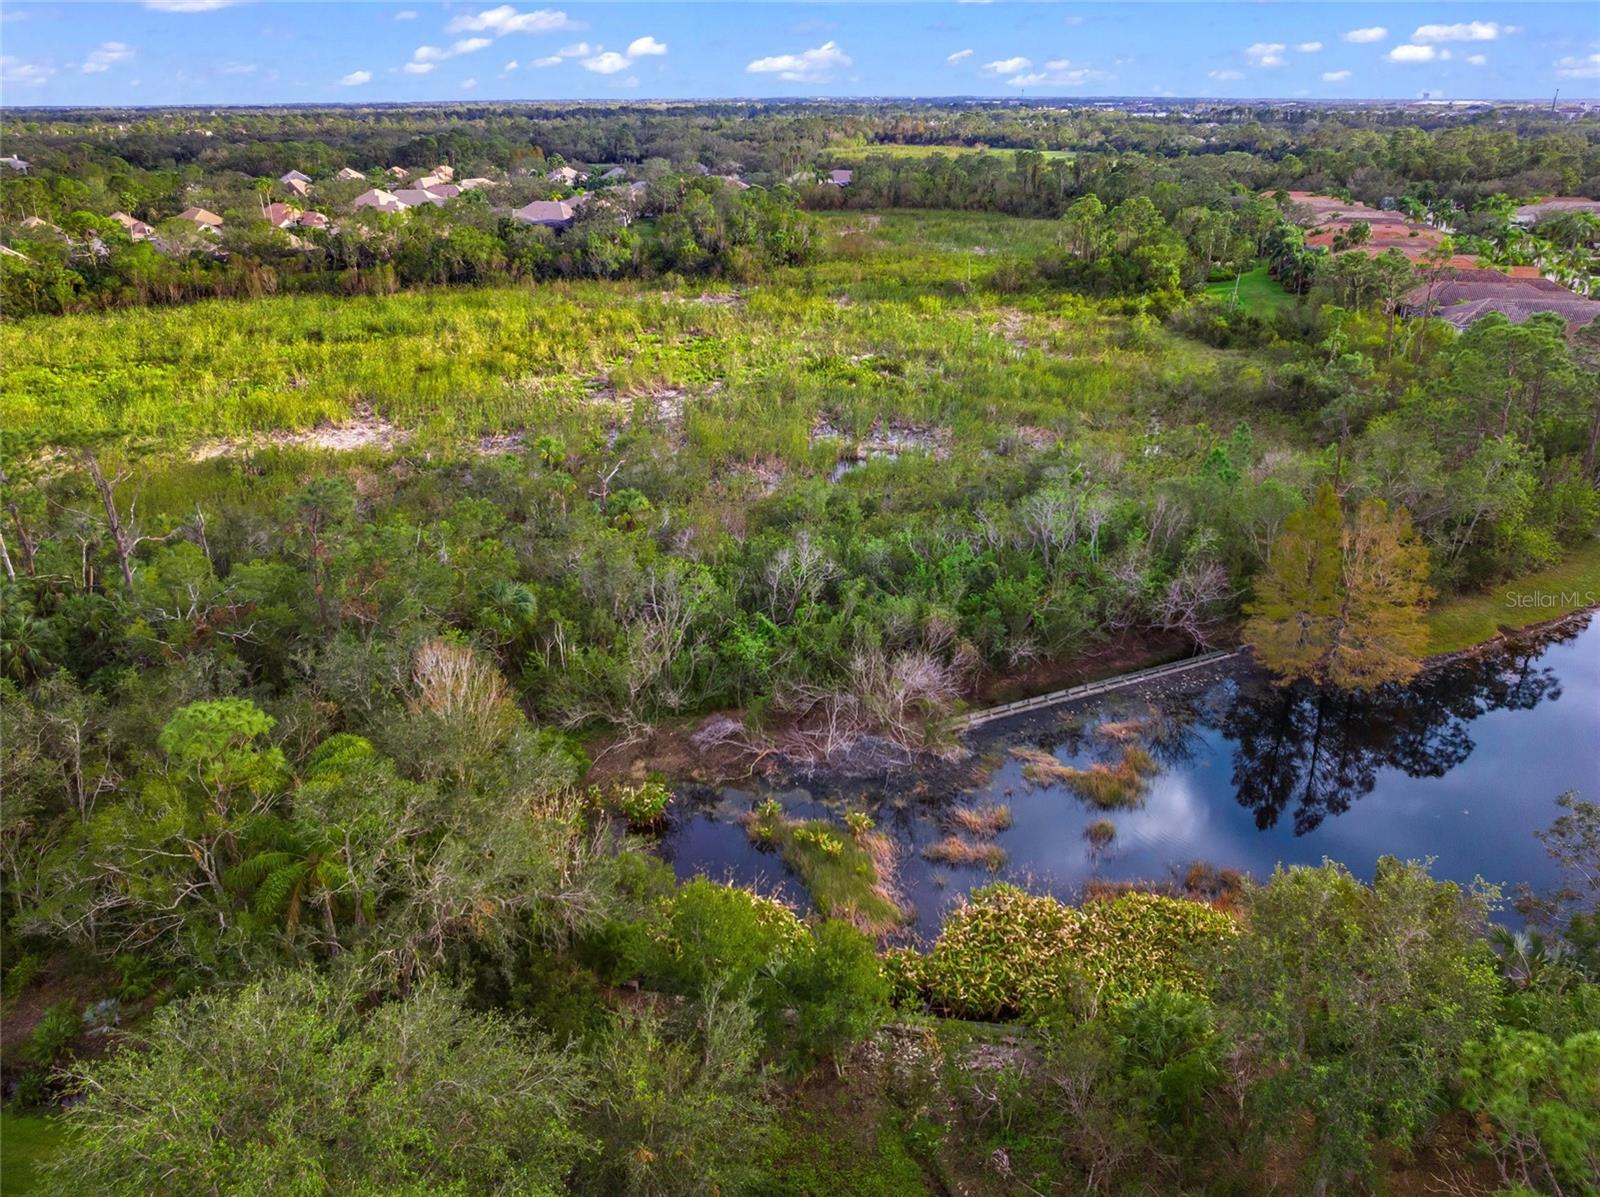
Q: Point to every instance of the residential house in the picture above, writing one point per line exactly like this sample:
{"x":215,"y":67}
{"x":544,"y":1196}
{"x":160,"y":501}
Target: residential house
{"x":552,"y":214}
{"x":447,"y":173}
{"x":137,"y":229}
{"x":383,"y":201}
{"x":293,"y":176}
{"x":429,"y":181}
{"x":474,"y":183}
{"x":735,"y":182}
{"x":564,"y":175}
{"x":1462,"y":297}
{"x":615,"y":174}
{"x":298,"y":187}
{"x":1557,"y":205}
{"x":202,"y":218}
{"x":397,"y":172}
{"x":349,"y":175}
{"x":412,"y":197}
{"x":314,"y":220}
{"x":281,"y":216}
{"x":840,"y":178}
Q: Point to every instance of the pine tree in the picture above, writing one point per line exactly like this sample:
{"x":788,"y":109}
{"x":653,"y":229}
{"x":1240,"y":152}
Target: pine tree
{"x":1342,"y":604}
{"x":1294,"y":619}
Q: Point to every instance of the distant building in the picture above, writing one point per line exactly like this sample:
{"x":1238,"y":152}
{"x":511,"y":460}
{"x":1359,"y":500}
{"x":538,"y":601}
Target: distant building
{"x":1556,"y":205}
{"x":298,"y":186}
{"x":840,"y":178}
{"x":314,"y":220}
{"x":613,"y":175}
{"x":552,"y":214}
{"x":349,"y":175}
{"x":412,"y":197}
{"x":281,"y":216}
{"x":15,"y":163}
{"x":137,"y":229}
{"x":293,"y":176}
{"x":383,"y":201}
{"x":474,"y":183}
{"x":397,"y":172}
{"x":1462,"y":297}
{"x":202,"y":218}
{"x":564,"y":175}
{"x":735,"y":182}
{"x":447,"y":173}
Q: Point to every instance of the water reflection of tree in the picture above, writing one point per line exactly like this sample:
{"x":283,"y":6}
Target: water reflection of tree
{"x":1319,"y":750}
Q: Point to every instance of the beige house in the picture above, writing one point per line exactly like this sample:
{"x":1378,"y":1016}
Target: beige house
{"x":293,"y":176}
{"x":137,"y":229}
{"x":552,"y":214}
{"x":201,"y":217}
{"x":348,"y":175}
{"x":383,"y":201}
{"x":564,"y":175}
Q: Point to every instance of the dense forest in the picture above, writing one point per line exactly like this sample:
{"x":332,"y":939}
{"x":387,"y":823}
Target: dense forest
{"x":366,"y":601}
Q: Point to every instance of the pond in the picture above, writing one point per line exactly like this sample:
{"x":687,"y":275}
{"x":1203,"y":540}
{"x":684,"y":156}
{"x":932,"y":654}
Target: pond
{"x":1217,"y":766}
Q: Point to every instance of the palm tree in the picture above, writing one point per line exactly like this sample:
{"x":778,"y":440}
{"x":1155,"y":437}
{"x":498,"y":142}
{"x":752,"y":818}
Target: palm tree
{"x":289,"y":866}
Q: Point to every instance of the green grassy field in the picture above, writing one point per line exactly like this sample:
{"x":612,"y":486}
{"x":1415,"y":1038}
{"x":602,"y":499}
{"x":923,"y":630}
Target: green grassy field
{"x":895,"y":326}
{"x":1258,"y":292}
{"x":1471,"y":619}
{"x":25,"y":1143}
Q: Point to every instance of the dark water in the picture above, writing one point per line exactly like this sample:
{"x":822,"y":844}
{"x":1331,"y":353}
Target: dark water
{"x":1462,"y":766}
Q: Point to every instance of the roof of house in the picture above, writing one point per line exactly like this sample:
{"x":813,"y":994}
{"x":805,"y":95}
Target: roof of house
{"x":735,"y":182}
{"x":313,"y":220}
{"x":431,"y":180}
{"x":377,"y":197}
{"x":293,"y":176}
{"x":349,"y":174}
{"x":564,"y":174}
{"x":545,"y":212}
{"x":444,"y":172}
{"x":616,"y":172}
{"x":202,"y":217}
{"x":412,"y":197}
{"x":397,"y":172}
{"x":298,"y":187}
{"x":1465,"y":296}
{"x":279,"y":215}
{"x":841,"y":178}
{"x":469,"y":184}
{"x":137,"y":228}
{"x":1556,"y":205}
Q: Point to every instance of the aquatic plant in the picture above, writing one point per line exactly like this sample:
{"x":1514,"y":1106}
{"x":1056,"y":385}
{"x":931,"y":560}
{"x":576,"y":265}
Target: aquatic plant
{"x":850,"y":878}
{"x":982,"y":821}
{"x":1100,"y":833}
{"x":962,"y":851}
{"x":1104,"y":785}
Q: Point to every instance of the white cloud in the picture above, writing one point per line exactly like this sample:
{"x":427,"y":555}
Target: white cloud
{"x":104,"y":56}
{"x":405,"y":14}
{"x":1478,"y":59}
{"x":1573,"y":67}
{"x":1225,"y":76}
{"x":1361,"y":37}
{"x":808,"y":66}
{"x":1059,"y":72}
{"x":467,"y":45}
{"x":1266,"y":54}
{"x":958,"y":56}
{"x":510,"y":66}
{"x":1007,"y":66}
{"x":1335,"y":76}
{"x":1309,"y":47}
{"x":1411,"y":53}
{"x":187,"y":5}
{"x":238,"y":68}
{"x":646,"y":47}
{"x":608,"y":62}
{"x":417,"y":68}
{"x":1467,"y":31}
{"x":505,"y":19}
{"x":468,"y":84}
{"x":577,"y":50}
{"x":550,"y":61}
{"x":16,"y":73}
{"x":356,"y":79}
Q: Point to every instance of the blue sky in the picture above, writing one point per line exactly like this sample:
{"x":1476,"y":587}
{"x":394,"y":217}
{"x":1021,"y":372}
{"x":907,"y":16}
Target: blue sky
{"x":256,"y":51}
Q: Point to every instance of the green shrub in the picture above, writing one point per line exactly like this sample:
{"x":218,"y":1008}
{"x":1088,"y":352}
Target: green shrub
{"x":1005,"y":952}
{"x":837,"y":987}
{"x":54,"y":1034}
{"x":717,"y":934}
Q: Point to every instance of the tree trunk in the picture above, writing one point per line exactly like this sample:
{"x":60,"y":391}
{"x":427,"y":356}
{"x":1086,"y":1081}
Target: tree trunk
{"x":120,"y":540}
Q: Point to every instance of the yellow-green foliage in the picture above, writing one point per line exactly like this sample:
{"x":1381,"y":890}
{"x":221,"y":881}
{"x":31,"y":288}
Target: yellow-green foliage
{"x":845,"y":871}
{"x":1006,"y":952}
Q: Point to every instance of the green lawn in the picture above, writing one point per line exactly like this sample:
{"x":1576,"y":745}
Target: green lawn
{"x":1259,"y":293}
{"x":1471,"y":619}
{"x":25,"y":1143}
